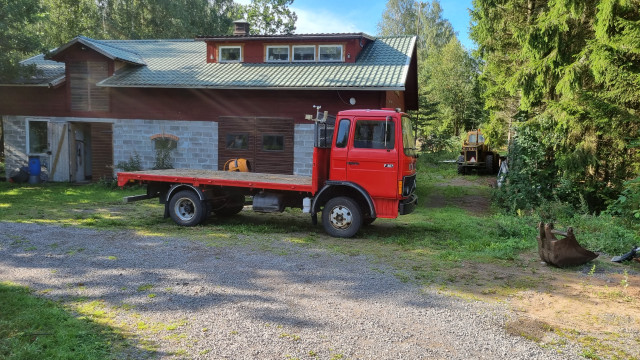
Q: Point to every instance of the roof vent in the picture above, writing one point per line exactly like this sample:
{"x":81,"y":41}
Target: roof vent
{"x":241,"y":28}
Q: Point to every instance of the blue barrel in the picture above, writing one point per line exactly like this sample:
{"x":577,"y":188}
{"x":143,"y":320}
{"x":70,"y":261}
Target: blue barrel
{"x":34,"y":165}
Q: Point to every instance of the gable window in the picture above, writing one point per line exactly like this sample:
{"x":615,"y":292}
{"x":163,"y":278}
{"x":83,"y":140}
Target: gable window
{"x":85,"y":94}
{"x":304,"y":53}
{"x":330,"y":52}
{"x":230,"y":54}
{"x":277,"y":53}
{"x":37,"y":136}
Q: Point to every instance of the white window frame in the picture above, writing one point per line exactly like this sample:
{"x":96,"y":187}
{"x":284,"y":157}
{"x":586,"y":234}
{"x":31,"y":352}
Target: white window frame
{"x":28,"y":140}
{"x":331,"y":46}
{"x":229,"y":47}
{"x":278,"y":47}
{"x":293,"y":53}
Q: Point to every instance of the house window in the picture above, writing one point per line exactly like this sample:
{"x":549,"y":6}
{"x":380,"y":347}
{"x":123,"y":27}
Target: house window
{"x":277,"y":53}
{"x":238,"y":141}
{"x":374,"y":135}
{"x":230,"y":54}
{"x":304,"y":53}
{"x":330,"y":52}
{"x":85,"y":94}
{"x":37,"y":136}
{"x":272,"y":142}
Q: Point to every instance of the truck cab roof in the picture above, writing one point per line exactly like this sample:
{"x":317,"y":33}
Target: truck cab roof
{"x":369,"y":112}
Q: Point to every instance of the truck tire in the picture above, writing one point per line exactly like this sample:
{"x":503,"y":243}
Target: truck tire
{"x":489,"y":164}
{"x":234,"y":204}
{"x":460,"y":166}
{"x":341,"y":217}
{"x":186,"y":209}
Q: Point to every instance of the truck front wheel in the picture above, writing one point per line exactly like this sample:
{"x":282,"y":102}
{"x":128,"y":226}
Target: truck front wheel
{"x":341,"y":217}
{"x":186,"y":209}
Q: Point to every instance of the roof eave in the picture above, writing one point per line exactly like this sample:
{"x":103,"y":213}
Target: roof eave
{"x":86,"y":42}
{"x":296,"y":88}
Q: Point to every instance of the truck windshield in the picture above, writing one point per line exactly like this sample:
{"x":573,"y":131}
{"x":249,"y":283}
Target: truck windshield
{"x":408,"y":140}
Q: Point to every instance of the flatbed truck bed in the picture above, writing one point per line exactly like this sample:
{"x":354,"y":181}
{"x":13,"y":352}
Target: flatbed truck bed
{"x":248,"y":180}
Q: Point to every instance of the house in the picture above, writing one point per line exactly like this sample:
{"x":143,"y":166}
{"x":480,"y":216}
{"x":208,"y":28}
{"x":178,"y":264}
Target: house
{"x":95,"y":103}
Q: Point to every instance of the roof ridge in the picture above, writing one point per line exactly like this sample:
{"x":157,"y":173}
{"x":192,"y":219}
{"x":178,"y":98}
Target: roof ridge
{"x":102,"y":42}
{"x":146,"y":40}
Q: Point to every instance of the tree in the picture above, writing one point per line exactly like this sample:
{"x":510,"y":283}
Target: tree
{"x":572,"y":65}
{"x":447,"y":79}
{"x":165,"y":19}
{"x":65,"y":19}
{"x":270,"y":17}
{"x":452,"y":84}
{"x":18,"y":37}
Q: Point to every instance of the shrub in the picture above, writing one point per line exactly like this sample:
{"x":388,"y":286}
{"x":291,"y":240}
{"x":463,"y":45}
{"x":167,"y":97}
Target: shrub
{"x":133,"y":164}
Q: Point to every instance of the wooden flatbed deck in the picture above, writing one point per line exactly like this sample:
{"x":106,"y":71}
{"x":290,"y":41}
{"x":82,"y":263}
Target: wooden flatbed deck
{"x":220,"y":178}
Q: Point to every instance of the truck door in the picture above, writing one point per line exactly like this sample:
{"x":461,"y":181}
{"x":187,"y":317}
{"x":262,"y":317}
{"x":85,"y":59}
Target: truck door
{"x":340,"y":150}
{"x":373,"y":160}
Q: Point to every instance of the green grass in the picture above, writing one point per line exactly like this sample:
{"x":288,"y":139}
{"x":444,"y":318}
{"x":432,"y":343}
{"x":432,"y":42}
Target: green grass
{"x":35,"y":328}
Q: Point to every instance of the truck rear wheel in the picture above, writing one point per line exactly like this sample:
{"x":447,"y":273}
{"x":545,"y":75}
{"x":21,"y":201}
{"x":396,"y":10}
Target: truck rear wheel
{"x":186,"y":209}
{"x":341,"y":217}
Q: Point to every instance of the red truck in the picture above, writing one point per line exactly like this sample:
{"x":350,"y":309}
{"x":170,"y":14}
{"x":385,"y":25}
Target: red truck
{"x":364,"y":167}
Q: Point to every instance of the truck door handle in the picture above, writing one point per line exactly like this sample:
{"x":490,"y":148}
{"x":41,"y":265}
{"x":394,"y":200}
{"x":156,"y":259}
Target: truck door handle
{"x":353,"y":163}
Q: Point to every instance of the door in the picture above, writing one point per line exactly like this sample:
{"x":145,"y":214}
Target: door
{"x":373,"y":159}
{"x":340,"y":150}
{"x":266,"y":142}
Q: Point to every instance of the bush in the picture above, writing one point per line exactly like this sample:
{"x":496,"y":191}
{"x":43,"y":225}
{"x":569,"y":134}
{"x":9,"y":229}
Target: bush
{"x":134,"y":163}
{"x":627,"y":205}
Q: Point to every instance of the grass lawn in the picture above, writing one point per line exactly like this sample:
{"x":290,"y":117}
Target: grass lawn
{"x":454,"y":241}
{"x":36,"y":328}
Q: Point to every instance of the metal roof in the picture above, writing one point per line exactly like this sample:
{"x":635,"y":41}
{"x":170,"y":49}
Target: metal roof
{"x":109,"y":49}
{"x":48,"y":73}
{"x":382,"y":65}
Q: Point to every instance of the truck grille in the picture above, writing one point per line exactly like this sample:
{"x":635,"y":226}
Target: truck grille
{"x":408,"y":185}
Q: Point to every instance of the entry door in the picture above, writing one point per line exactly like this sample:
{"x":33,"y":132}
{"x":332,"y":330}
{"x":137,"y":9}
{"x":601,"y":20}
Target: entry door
{"x":374,"y":157}
{"x":266,"y":142}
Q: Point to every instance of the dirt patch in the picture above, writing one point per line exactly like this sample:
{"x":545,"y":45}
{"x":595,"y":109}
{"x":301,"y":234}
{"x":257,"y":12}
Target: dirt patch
{"x":473,"y":204}
{"x":596,"y":305}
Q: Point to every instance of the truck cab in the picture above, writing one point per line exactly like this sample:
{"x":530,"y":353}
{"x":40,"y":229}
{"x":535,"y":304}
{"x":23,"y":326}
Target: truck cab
{"x":371,"y":170}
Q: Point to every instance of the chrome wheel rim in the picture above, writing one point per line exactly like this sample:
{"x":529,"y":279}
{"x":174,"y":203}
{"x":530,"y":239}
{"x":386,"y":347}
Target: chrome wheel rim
{"x":185,"y":209}
{"x":340,"y":217}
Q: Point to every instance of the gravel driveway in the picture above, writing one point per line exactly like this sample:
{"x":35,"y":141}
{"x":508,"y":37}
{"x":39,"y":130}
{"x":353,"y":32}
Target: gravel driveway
{"x":187,"y":300}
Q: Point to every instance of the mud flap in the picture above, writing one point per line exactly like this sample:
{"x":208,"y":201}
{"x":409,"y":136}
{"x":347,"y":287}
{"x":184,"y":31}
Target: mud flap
{"x":561,"y":252}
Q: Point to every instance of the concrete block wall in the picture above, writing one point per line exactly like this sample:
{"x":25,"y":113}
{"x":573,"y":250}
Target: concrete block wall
{"x":15,"y":143}
{"x":304,"y":136}
{"x":197,"y":145}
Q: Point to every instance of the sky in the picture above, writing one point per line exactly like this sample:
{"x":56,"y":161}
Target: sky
{"x":345,"y":16}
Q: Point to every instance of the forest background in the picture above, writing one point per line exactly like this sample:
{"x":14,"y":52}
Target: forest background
{"x":555,"y":84}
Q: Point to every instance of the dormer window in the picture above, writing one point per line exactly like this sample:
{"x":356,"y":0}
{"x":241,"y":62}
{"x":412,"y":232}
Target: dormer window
{"x":278,"y":53}
{"x":230,"y":54}
{"x":304,"y":53}
{"x":330,"y":53}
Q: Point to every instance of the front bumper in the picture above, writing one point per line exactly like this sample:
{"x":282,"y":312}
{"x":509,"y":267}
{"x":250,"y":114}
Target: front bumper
{"x":407,"y":205}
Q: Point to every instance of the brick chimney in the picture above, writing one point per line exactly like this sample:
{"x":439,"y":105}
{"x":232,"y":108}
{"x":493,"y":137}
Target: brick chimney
{"x":241,"y":28}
